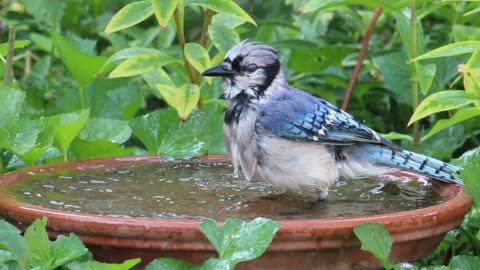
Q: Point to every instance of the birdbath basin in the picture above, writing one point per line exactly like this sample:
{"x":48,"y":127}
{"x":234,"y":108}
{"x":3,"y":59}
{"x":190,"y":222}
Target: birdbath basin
{"x":148,"y":207}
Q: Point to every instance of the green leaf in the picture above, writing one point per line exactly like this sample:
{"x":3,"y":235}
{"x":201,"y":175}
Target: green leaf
{"x":460,"y":116}
{"x":164,"y":10}
{"x":237,"y":241}
{"x":66,"y":249}
{"x":164,"y":134}
{"x":19,"y":44}
{"x":226,"y":7}
{"x":315,"y":5}
{"x":128,"y":53}
{"x":223,"y":38}
{"x":183,"y":99}
{"x":396,"y":74}
{"x":425,"y":74}
{"x":471,"y":71}
{"x":83,"y":67}
{"x":22,"y":134}
{"x":142,"y":63}
{"x":404,"y":28}
{"x":67,"y":126}
{"x":12,"y":241}
{"x":129,"y":15}
{"x":198,"y":57}
{"x":157,"y":76}
{"x":38,"y":243}
{"x":100,"y":149}
{"x":94,"y":265}
{"x":441,"y":101}
{"x":450,"y":50}
{"x":44,"y":141}
{"x":10,"y":103}
{"x":464,"y":262}
{"x":397,"y":136}
{"x":103,"y":129}
{"x":376,"y":240}
{"x":470,"y":172}
{"x":170,"y":264}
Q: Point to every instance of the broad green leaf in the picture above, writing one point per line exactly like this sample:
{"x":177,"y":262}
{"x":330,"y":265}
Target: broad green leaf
{"x":164,"y":134}
{"x":460,"y":116}
{"x":183,"y":99}
{"x":157,"y":76}
{"x":94,"y":265}
{"x":100,"y":149}
{"x":450,"y":50}
{"x":142,"y":63}
{"x":127,"y":53}
{"x":237,"y":241}
{"x":396,"y":74}
{"x":198,"y":57}
{"x":129,"y":15}
{"x":22,"y":134}
{"x":224,"y":38}
{"x":164,"y":10}
{"x":397,"y":136}
{"x":10,"y":103}
{"x":425,"y":74}
{"x":465,"y":262}
{"x":442,"y":101}
{"x":67,"y":126}
{"x":226,"y":7}
{"x":376,"y":240}
{"x":470,"y":172}
{"x":44,"y":141}
{"x":170,"y":264}
{"x":13,"y":242}
{"x":103,"y":129}
{"x":314,"y":5}
{"x":66,"y":249}
{"x":83,"y":67}
{"x":6,"y":258}
{"x":227,"y":21}
{"x":317,"y":59}
{"x":47,"y":12}
{"x":19,"y":44}
{"x":38,"y":243}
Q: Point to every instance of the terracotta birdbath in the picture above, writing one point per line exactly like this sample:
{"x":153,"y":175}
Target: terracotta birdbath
{"x":299,"y":244}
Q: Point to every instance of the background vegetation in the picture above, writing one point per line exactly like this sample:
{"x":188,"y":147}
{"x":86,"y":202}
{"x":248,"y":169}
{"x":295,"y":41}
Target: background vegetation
{"x":100,"y":78}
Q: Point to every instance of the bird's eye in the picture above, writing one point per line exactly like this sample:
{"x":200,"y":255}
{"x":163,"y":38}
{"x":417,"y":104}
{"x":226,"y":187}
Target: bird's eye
{"x":251,"y":68}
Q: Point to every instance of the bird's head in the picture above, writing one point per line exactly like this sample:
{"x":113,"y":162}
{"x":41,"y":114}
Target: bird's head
{"x":248,"y":68}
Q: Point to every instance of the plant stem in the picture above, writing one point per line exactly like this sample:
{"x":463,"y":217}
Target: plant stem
{"x":361,"y":57}
{"x":181,"y":39}
{"x":8,"y":74}
{"x":206,"y":22}
{"x":416,"y":125}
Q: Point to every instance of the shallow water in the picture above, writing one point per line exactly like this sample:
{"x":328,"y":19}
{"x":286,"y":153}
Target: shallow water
{"x":193,"y":190}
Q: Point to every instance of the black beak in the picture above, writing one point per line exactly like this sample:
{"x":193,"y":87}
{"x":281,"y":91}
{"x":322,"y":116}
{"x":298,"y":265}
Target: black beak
{"x":222,"y":70}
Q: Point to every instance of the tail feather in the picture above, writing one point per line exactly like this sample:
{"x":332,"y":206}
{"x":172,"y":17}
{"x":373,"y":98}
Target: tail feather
{"x":413,"y":162}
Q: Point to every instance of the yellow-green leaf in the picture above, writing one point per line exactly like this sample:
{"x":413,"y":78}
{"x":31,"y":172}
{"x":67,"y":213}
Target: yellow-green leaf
{"x":442,"y":101}
{"x":425,"y":73}
{"x":471,"y":74}
{"x":450,"y":50}
{"x":183,"y":99}
{"x":460,"y":116}
{"x":140,"y":64}
{"x":227,"y":7}
{"x":198,"y":57}
{"x":129,"y":15}
{"x":164,"y":10}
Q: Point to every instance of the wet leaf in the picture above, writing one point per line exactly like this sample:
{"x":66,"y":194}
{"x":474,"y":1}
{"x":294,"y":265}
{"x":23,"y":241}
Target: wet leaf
{"x":470,"y":172}
{"x":10,"y":103}
{"x":103,"y":129}
{"x":22,"y":134}
{"x":142,"y":63}
{"x":237,"y":241}
{"x":67,"y":126}
{"x":376,"y":240}
{"x":130,"y":15}
{"x":100,"y":149}
{"x":442,"y":101}
{"x":66,"y":249}
{"x":183,"y":99}
{"x":38,"y":243}
{"x":226,"y":7}
{"x":164,"y":10}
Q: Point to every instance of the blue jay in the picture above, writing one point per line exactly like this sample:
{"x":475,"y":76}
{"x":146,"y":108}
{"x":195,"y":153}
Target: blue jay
{"x":295,"y":141}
